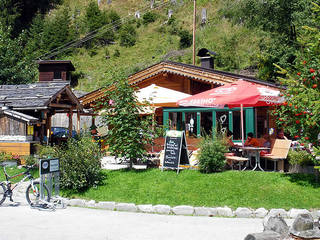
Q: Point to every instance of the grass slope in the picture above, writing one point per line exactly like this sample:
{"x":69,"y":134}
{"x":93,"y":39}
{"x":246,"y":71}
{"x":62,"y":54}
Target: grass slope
{"x":230,"y":188}
{"x":236,"y":46}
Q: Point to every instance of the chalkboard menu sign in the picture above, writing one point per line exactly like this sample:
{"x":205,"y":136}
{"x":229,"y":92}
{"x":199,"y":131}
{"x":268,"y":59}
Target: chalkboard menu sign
{"x":175,"y":150}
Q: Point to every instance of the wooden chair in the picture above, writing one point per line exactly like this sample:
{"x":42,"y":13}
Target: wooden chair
{"x":240,"y":160}
{"x":279,"y":152}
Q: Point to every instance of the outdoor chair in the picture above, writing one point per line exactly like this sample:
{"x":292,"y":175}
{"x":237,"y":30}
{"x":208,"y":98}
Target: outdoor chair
{"x":279,"y":153}
{"x":239,"y":160}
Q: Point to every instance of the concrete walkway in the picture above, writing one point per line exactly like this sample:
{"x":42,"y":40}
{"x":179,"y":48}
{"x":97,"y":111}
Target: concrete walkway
{"x":82,"y":224}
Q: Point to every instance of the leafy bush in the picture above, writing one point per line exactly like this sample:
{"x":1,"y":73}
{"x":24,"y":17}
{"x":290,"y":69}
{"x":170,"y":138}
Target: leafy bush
{"x":300,"y":157}
{"x":185,"y":39}
{"x":5,"y":156}
{"x":128,"y":36}
{"x":149,"y":17}
{"x":116,"y":53}
{"x":79,"y":163}
{"x":212,"y":150}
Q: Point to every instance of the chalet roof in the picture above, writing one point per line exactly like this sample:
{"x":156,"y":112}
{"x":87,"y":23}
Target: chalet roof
{"x":193,"y":72}
{"x":19,"y":115}
{"x":35,"y":95}
{"x":68,"y":63}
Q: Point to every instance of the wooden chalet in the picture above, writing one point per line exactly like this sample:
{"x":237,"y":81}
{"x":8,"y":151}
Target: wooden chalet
{"x":25,"y":118}
{"x":192,"y":79}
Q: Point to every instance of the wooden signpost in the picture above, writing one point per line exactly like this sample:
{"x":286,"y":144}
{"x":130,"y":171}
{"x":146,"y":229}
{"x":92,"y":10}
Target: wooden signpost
{"x":175,"y":150}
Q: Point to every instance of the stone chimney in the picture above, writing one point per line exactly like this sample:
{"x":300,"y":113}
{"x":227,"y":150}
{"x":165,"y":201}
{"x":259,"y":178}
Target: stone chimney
{"x":55,"y":70}
{"x":206,"y":58}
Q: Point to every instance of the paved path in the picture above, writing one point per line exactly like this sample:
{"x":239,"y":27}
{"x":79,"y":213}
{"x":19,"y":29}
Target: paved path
{"x":82,"y":224}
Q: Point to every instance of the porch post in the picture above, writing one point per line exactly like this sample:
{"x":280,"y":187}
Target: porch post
{"x":70,"y":122}
{"x":78,"y":121}
{"x":198,"y":124}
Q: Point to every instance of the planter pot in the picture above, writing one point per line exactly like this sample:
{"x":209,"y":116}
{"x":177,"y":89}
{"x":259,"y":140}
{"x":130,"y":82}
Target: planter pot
{"x":302,"y":169}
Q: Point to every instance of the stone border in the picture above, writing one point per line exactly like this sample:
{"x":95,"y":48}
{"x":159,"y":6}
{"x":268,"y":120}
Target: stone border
{"x":192,"y":211}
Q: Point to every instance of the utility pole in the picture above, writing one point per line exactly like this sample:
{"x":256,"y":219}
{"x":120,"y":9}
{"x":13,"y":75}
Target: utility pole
{"x":194,"y":33}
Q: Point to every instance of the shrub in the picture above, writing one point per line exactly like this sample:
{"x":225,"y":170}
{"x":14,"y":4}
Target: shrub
{"x":212,"y":150}
{"x":149,"y":17}
{"x":300,"y":157}
{"x":128,"y":36}
{"x":116,"y":53}
{"x":185,"y":39}
{"x":79,"y":163}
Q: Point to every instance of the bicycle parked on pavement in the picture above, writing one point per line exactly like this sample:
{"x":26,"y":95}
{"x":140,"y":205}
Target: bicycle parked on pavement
{"x":32,"y":192}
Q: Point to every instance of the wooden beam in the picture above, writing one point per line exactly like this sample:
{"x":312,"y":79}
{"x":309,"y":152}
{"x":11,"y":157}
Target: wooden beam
{"x":70,"y":123}
{"x":59,"y":105}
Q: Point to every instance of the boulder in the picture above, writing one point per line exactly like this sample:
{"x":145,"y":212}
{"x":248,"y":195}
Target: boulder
{"x":278,"y":212}
{"x":260,"y":212}
{"x":202,"y":211}
{"x":243,"y":212}
{"x":267,"y":235}
{"x":91,"y":203}
{"x":106,"y":205}
{"x":278,"y":225}
{"x":225,"y":212}
{"x":146,"y":208}
{"x":162,"y":209}
{"x":293,"y":213}
{"x":183,"y":210}
{"x":127,"y":207}
{"x":303,"y":227}
{"x":76,"y":202}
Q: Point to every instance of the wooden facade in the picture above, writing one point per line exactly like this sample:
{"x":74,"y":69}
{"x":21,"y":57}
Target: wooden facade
{"x":192,"y":79}
{"x":55,"y":70}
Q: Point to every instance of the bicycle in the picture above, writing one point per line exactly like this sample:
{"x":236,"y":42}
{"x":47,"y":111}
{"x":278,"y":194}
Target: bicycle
{"x":32,"y":192}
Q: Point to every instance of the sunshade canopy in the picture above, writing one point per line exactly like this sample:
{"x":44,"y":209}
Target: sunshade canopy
{"x":234,"y":94}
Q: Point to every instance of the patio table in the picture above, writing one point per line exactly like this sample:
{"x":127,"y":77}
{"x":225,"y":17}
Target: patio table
{"x":256,"y":152}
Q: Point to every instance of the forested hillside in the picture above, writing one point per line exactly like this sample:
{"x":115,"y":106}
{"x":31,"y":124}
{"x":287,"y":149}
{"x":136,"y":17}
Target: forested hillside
{"x":119,"y":37}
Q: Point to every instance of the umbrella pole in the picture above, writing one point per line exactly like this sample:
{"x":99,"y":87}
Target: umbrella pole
{"x":242,"y":125}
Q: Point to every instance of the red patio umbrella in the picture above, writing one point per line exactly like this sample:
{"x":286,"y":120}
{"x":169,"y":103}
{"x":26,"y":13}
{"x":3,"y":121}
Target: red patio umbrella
{"x":238,"y":94}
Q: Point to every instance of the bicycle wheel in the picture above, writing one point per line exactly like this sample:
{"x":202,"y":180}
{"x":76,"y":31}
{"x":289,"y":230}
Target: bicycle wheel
{"x":2,"y":193}
{"x":33,"y":194}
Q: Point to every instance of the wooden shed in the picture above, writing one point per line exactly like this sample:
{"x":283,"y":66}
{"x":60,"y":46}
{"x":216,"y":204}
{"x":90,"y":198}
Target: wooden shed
{"x":26,"y":113}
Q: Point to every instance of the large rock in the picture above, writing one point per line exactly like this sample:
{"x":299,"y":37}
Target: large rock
{"x":303,"y":227}
{"x":183,"y":210}
{"x":106,"y":205}
{"x":315,"y":214}
{"x":127,"y":207}
{"x":202,"y":211}
{"x":213,"y":212}
{"x":293,"y":213}
{"x":260,"y":212}
{"x":145,"y":208}
{"x":278,"y":225}
{"x":243,"y":212}
{"x":76,"y":202}
{"x":162,"y":209}
{"x":91,"y":203}
{"x":278,"y":212}
{"x":225,"y":212}
{"x":267,"y":235}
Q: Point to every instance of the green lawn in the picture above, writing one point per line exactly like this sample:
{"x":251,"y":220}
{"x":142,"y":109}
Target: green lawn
{"x":230,"y":188}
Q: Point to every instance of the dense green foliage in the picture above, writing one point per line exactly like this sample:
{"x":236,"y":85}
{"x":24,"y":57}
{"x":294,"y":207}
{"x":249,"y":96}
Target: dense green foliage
{"x":279,"y":21}
{"x":300,"y":157}
{"x":128,"y":36}
{"x":79,"y":163}
{"x":300,"y":115}
{"x":253,"y":189}
{"x":128,"y":132}
{"x":246,"y":34}
{"x":15,"y":67}
{"x":211,"y":157}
